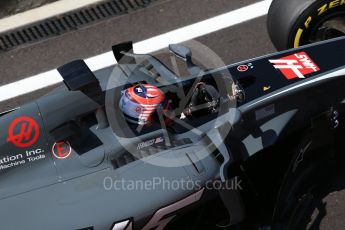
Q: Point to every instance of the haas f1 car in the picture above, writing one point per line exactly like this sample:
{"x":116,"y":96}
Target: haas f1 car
{"x":68,"y":158}
{"x":136,"y":146}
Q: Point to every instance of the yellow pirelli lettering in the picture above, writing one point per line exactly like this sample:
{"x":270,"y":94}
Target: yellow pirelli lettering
{"x":334,"y":3}
{"x":322,"y":9}
{"x":298,"y":37}
{"x":307,"y":22}
{"x":342,"y":2}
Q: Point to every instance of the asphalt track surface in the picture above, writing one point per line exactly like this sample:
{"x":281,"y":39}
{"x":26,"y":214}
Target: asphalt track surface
{"x":10,"y":7}
{"x":233,"y":44}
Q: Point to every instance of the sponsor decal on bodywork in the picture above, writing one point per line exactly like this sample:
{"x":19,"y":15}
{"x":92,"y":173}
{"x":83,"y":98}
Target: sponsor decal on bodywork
{"x":14,"y":160}
{"x":61,"y":150}
{"x":242,"y":68}
{"x":23,"y":132}
{"x":149,"y":143}
{"x":297,"y":65}
{"x":245,"y":67}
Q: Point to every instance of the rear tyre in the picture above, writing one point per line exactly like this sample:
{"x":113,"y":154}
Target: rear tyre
{"x":307,"y":172}
{"x":294,"y":23}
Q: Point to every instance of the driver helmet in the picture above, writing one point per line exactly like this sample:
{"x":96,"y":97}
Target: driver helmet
{"x":139,"y":102}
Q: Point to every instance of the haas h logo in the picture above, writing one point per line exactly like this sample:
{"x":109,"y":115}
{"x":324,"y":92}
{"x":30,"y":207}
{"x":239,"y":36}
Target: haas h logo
{"x":295,"y":66}
{"x":23,"y":132}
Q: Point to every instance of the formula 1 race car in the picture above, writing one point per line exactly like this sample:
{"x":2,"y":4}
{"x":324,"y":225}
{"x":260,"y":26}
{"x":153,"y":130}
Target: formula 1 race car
{"x":136,"y":146}
{"x":105,"y":150}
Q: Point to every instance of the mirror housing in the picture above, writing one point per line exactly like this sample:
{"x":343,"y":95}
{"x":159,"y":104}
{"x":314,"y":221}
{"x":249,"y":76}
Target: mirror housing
{"x":181,"y":51}
{"x":185,"y":53}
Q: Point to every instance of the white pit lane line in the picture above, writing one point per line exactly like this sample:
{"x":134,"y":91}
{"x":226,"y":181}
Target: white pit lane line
{"x":156,"y":43}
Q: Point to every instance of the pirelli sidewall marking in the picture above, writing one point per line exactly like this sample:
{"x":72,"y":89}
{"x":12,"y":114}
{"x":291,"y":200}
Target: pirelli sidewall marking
{"x":320,"y":11}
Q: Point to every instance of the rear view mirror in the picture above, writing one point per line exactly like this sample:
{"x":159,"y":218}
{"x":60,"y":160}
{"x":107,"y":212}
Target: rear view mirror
{"x":181,"y":51}
{"x":186,"y":54}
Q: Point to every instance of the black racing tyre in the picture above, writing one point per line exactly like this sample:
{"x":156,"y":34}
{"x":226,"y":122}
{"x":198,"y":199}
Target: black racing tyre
{"x":308,"y":171}
{"x":292,"y":23}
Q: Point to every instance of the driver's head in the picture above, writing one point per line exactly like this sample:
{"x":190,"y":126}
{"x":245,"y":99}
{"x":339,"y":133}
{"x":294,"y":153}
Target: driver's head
{"x":139,"y":102}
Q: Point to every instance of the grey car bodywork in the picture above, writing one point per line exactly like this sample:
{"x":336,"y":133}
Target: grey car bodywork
{"x":40,"y":191}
